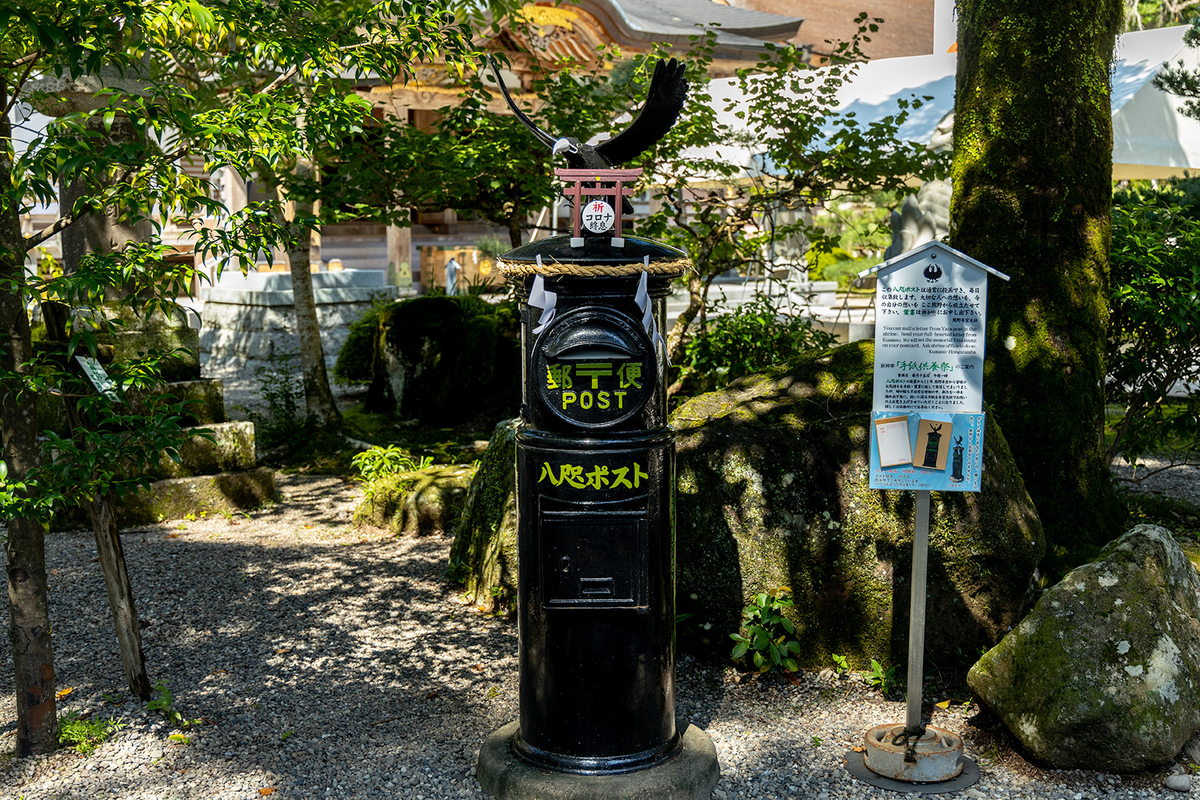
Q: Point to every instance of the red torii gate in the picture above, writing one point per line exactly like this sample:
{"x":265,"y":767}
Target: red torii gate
{"x":619,"y":191}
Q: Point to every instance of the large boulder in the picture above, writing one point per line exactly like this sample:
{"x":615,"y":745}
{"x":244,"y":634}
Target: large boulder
{"x":772,"y":491}
{"x":1104,"y":673}
{"x":484,"y":554}
{"x":446,"y":360}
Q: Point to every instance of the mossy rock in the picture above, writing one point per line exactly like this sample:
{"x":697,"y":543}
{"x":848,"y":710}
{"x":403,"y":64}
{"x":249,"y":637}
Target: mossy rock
{"x":446,"y":360}
{"x":421,"y":502}
{"x":484,"y":554}
{"x":176,"y":498}
{"x":772,"y":490}
{"x":1104,"y":673}
{"x":224,"y":447}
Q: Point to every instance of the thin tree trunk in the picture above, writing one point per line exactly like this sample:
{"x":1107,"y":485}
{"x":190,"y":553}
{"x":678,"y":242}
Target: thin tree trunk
{"x":28,"y":605}
{"x":318,"y":398}
{"x":1032,"y":197}
{"x":120,"y":596}
{"x":108,"y":542}
{"x":677,"y":338}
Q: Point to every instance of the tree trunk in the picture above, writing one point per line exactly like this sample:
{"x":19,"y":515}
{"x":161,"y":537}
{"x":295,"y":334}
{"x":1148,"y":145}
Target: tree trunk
{"x":120,"y":596}
{"x":109,"y":232}
{"x":108,"y":547}
{"x":28,"y":605}
{"x":677,"y":338}
{"x":1032,"y":197}
{"x":318,"y":398}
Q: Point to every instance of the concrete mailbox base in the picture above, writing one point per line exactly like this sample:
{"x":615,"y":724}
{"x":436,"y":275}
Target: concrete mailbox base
{"x":691,"y":775}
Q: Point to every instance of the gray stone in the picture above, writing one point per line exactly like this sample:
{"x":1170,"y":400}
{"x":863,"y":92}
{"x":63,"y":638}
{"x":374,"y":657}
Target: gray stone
{"x":1191,"y":751}
{"x":248,"y":321}
{"x":204,"y":398}
{"x":175,"y":498}
{"x":1104,"y":673}
{"x":689,"y":776}
{"x":1178,"y":783}
{"x":184,"y":341}
{"x":230,"y":449}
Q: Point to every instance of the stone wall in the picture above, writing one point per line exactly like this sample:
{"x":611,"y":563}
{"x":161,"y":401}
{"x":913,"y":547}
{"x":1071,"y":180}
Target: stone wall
{"x":248,"y":322}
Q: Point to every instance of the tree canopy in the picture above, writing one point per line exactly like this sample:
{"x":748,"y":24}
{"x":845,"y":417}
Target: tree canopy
{"x":133,"y":88}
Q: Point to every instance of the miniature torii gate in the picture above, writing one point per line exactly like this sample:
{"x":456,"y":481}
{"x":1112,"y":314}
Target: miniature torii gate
{"x":620,"y":178}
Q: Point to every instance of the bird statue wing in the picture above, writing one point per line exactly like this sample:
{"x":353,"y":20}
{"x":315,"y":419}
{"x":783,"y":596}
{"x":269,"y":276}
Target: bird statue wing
{"x":545,"y":138}
{"x":664,"y":101}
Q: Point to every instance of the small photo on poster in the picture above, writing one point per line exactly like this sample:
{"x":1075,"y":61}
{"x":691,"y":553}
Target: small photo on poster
{"x":891,"y":434}
{"x":933,"y":443}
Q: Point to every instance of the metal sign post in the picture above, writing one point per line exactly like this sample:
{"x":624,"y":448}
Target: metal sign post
{"x":926,"y":434}
{"x":916,"y":611}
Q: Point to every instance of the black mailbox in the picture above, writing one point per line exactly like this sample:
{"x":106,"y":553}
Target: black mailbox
{"x":596,"y":537}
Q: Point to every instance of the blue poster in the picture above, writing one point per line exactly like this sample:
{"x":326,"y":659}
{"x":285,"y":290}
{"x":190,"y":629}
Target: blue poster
{"x":925,"y":450}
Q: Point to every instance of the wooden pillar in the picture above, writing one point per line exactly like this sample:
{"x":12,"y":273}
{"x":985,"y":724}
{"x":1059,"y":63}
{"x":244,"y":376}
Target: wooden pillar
{"x":399,"y":256}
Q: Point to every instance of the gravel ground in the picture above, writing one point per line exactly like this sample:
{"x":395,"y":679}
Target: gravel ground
{"x":1181,"y":483}
{"x":321,"y":660}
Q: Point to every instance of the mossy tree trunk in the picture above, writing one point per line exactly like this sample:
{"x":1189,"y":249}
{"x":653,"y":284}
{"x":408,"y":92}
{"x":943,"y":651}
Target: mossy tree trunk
{"x":1032,"y":195}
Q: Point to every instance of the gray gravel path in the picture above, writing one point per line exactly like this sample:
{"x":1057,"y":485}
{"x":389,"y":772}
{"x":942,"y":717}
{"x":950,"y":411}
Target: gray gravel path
{"x":322,"y":660}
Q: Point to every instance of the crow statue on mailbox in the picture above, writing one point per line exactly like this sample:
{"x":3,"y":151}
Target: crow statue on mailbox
{"x":664,"y":101}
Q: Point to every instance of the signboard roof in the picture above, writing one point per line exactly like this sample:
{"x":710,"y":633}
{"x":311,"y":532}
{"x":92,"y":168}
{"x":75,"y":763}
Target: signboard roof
{"x":919,"y":253}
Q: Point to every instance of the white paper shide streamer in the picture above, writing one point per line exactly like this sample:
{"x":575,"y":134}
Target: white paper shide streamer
{"x":642,"y":298}
{"x":540,"y":298}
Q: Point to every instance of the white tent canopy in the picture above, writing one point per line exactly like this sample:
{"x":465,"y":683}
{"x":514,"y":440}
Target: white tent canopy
{"x":1151,"y":138}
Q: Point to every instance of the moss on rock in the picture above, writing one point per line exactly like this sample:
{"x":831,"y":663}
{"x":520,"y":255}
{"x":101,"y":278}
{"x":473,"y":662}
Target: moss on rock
{"x":484,"y":553}
{"x":444,"y":360}
{"x":419,"y":503}
{"x":226,"y":447}
{"x":773,"y":491}
{"x":175,"y":498}
{"x":1104,"y":673}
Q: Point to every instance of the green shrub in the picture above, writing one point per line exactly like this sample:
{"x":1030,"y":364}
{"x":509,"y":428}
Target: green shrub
{"x":1154,"y":328}
{"x":745,"y":340}
{"x":85,"y":735}
{"x":819,"y":261}
{"x":384,"y":462}
{"x":284,"y":419}
{"x":767,"y":634}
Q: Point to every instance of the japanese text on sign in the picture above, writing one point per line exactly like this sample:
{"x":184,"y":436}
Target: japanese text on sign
{"x":929,"y":335}
{"x":590,"y":377}
{"x":598,"y":216}
{"x":599,"y":477}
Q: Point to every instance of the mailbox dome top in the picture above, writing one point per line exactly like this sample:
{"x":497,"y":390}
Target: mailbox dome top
{"x":597,"y":258}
